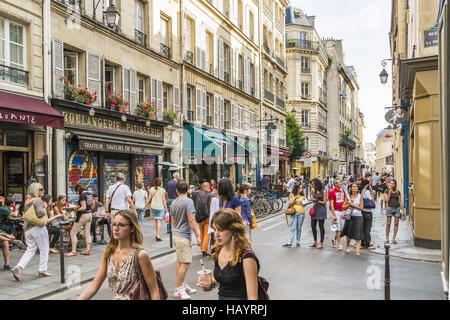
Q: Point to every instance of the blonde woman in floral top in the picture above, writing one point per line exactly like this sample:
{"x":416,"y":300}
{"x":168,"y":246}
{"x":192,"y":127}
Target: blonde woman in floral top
{"x":296,"y":201}
{"x":119,"y":260}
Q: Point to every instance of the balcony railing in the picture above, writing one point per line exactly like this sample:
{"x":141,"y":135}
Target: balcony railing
{"x":13,"y":75}
{"x":165,"y":51}
{"x":347,"y":142}
{"x":209,"y":121}
{"x":140,"y":37}
{"x":306,"y":44}
{"x":267,"y":10}
{"x":281,"y":103}
{"x":279,"y":61}
{"x":304,"y":97}
{"x":266,"y":48}
{"x":73,"y":4}
{"x":323,"y":103}
{"x":269,"y":95}
{"x":189,"y":115}
{"x":322,"y":128}
{"x":189,"y":57}
{"x":306,"y":70}
{"x":226,"y":125}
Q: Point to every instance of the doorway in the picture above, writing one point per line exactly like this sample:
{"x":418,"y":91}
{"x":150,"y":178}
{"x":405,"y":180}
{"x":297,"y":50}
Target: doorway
{"x":13,"y":174}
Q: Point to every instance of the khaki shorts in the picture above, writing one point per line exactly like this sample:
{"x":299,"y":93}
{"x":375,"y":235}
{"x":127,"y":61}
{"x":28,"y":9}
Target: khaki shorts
{"x":183,"y":248}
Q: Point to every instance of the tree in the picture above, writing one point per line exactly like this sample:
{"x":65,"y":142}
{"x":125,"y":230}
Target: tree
{"x":294,"y":138}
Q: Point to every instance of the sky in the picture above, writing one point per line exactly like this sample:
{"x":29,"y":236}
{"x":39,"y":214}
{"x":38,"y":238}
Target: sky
{"x":364,"y":27}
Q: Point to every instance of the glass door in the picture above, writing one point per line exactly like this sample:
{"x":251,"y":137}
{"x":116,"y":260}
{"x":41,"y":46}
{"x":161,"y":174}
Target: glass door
{"x":14,"y":174}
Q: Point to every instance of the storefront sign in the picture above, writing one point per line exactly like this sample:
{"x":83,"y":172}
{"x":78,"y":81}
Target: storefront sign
{"x":118,"y":147}
{"x":110,"y":125}
{"x":431,"y":38}
{"x":18,"y":117}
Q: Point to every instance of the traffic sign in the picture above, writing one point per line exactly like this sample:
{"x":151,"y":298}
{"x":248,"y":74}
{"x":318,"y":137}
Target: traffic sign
{"x":308,"y":155}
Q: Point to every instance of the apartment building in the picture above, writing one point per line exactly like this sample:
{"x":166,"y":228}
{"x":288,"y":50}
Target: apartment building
{"x":275,"y":155}
{"x":307,"y":88}
{"x":384,"y":145}
{"x":115,"y":77}
{"x":343,"y":112}
{"x":26,"y":119}
{"x":220,"y":45}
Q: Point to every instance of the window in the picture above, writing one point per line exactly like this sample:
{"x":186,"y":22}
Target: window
{"x":303,"y":36}
{"x":164,"y":31}
{"x":188,"y":33}
{"x":139,"y":16}
{"x":305,"y":118}
{"x":226,"y":61}
{"x":12,"y":52}
{"x":209,"y":52}
{"x":166,"y":95}
{"x":226,"y":115}
{"x":305,"y":65}
{"x":109,"y":78}
{"x":252,"y":122}
{"x":252,"y":25}
{"x":240,"y":15}
{"x":305,"y":90}
{"x":240,"y":121}
{"x":71,"y":66}
{"x":141,"y":89}
{"x":209,"y":112}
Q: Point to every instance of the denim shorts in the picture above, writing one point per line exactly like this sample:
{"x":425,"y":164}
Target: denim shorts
{"x":391,"y":212}
{"x":141,"y":213}
{"x":159,"y":213}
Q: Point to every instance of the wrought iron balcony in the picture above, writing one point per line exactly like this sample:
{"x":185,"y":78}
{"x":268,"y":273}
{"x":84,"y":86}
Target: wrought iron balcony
{"x":322,"y":128}
{"x":266,"y":48}
{"x":189,"y":57}
{"x":140,"y":37}
{"x":13,"y":75}
{"x":306,"y":44}
{"x":347,"y":142}
{"x":165,"y":51}
{"x":281,"y":103}
{"x":240,"y":84}
{"x":306,"y":70}
{"x":269,"y":95}
{"x":189,"y":115}
{"x":323,"y":103}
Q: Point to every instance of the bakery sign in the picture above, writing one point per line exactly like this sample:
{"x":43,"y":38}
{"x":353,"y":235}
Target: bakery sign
{"x":105,"y":146}
{"x":111,"y":125}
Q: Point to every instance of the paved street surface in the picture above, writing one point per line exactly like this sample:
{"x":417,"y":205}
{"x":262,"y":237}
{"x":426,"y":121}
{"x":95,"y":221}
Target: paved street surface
{"x":312,"y":274}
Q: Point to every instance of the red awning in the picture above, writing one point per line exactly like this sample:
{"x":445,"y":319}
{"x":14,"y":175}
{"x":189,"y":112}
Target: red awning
{"x":26,"y":110}
{"x":280,"y":152}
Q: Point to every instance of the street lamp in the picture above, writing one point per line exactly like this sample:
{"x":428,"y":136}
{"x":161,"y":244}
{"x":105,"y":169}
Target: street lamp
{"x":384,"y":75}
{"x":112,"y":16}
{"x":293,"y":112}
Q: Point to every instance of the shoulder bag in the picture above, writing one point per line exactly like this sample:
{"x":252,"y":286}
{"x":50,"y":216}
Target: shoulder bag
{"x":290,"y":210}
{"x":368,"y":203}
{"x":263,"y":284}
{"x":112,"y":196}
{"x":140,"y":291}
{"x":31,"y":217}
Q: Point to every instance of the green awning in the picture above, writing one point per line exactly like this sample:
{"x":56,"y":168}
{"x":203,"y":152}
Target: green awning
{"x":200,"y":142}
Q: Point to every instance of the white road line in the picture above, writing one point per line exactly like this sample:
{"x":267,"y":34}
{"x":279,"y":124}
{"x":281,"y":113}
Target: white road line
{"x":273,"y":226}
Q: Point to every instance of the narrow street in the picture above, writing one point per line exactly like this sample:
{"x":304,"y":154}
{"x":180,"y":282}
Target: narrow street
{"x":309,"y":274}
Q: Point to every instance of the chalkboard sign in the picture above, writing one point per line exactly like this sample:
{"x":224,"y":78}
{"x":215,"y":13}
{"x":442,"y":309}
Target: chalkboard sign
{"x":431,"y":38}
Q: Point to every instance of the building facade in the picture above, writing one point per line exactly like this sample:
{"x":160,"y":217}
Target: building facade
{"x":343,"y":103}
{"x":384,"y":145}
{"x":26,"y":119}
{"x":114,"y":83}
{"x":414,"y":50}
{"x":307,"y":63}
{"x":370,"y":157}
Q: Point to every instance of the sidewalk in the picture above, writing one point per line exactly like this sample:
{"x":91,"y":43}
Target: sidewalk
{"x":405,"y":248}
{"x":33,"y":287}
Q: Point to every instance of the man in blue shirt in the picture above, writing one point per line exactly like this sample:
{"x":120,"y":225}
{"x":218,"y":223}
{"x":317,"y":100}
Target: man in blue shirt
{"x":172,"y":192}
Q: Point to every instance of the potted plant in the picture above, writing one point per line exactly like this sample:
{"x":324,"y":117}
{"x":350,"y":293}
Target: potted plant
{"x":348,"y":133}
{"x":74,"y":93}
{"x":169,"y":116}
{"x":114,"y":101}
{"x":145,"y":109}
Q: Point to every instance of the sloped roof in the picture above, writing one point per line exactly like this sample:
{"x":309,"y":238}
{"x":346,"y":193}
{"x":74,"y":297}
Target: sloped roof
{"x":296,"y":16}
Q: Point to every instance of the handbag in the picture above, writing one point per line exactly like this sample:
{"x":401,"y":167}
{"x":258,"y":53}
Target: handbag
{"x":263,"y":284}
{"x":32,"y":218}
{"x":140,"y":291}
{"x":345,"y":214}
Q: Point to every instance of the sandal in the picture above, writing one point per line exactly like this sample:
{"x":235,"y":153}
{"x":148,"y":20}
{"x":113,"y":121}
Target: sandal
{"x":347,"y":251}
{"x":340,"y":248}
{"x":313,"y":246}
{"x":394,"y":241}
{"x":86,"y":253}
{"x":70,"y":254}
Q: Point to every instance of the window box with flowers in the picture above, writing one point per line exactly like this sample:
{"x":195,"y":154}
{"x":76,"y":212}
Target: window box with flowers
{"x":169,"y":116}
{"x":146,"y":109}
{"x":78,"y":94}
{"x":114,"y":101}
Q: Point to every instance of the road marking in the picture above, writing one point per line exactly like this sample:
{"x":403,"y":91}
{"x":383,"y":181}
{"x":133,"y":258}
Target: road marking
{"x":273,"y":226}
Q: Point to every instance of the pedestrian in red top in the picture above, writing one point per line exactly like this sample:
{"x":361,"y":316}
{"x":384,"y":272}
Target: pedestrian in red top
{"x":212,"y":185}
{"x":338,"y":204}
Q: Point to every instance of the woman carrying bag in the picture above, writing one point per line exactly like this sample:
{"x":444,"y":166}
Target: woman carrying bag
{"x":36,"y":234}
{"x":320,"y":212}
{"x":353,"y":227}
{"x":296,"y":199}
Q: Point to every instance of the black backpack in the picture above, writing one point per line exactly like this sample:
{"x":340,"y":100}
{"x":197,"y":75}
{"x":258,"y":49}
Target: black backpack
{"x":203,"y":203}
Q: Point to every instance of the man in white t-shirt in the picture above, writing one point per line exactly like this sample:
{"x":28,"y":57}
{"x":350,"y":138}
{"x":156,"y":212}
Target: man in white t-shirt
{"x":119,"y":195}
{"x":140,"y":198}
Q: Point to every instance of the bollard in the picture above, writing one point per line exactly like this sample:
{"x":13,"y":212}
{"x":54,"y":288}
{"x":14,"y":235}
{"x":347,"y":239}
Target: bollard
{"x":170,"y":230}
{"x":387,"y":275}
{"x":61,"y":253}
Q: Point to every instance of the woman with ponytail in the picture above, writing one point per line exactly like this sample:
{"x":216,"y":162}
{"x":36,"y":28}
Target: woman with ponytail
{"x":235,"y":264}
{"x":119,"y":260}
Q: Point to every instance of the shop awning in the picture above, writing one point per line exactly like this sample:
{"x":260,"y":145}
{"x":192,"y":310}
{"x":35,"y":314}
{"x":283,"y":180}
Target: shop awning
{"x":201,"y":142}
{"x":30,"y":111}
{"x":278,"y":151}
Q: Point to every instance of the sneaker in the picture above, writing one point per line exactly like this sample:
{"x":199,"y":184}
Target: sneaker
{"x":16,"y":243}
{"x":181,"y":294}
{"x":287,"y":245}
{"x":298,"y":245}
{"x":6,"y":267}
{"x":188,"y":289}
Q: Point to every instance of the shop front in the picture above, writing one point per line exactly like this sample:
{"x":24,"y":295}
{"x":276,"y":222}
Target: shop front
{"x":100,"y":144}
{"x":23,"y":136}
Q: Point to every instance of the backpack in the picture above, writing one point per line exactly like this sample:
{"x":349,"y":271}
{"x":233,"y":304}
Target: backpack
{"x":263,"y":284}
{"x":203,"y":204}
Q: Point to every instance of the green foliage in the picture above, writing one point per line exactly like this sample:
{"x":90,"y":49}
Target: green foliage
{"x":294,"y":138}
